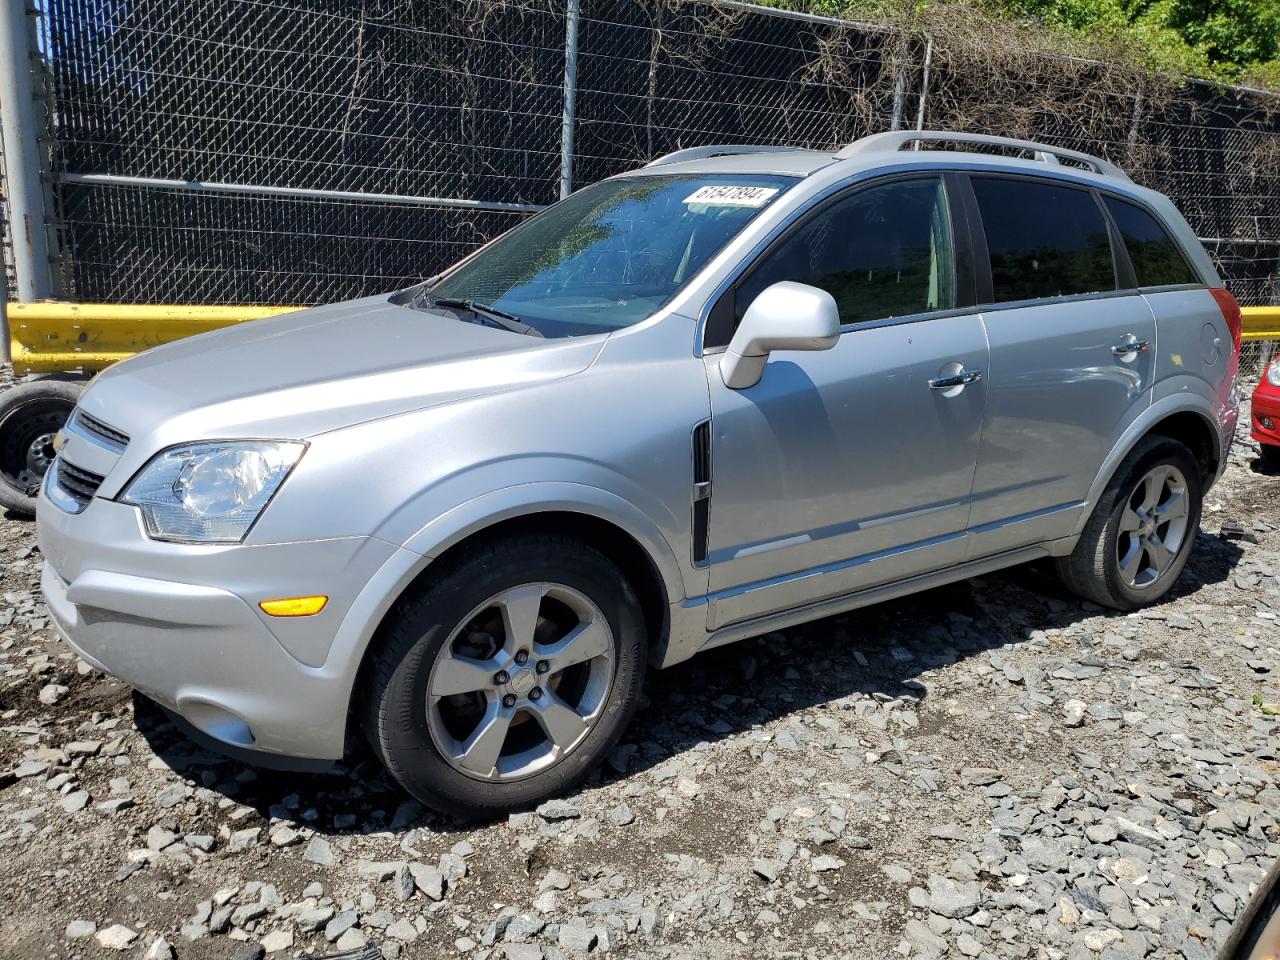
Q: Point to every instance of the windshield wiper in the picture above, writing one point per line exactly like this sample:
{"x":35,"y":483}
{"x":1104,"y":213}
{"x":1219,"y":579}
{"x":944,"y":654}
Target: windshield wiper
{"x":507,"y":321}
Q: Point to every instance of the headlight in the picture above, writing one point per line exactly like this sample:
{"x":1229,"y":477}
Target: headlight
{"x":1273,"y":373}
{"x":210,"y":492}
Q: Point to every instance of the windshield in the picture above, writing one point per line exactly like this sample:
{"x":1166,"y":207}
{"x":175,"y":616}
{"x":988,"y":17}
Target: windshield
{"x":611,"y":254}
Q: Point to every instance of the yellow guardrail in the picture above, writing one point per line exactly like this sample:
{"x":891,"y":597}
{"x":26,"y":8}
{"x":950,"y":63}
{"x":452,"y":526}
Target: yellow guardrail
{"x":1261,"y":323}
{"x":52,"y":337}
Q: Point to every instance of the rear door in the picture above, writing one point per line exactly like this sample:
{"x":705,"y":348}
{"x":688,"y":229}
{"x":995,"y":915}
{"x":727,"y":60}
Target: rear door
{"x":1195,"y":343}
{"x":1072,"y":354}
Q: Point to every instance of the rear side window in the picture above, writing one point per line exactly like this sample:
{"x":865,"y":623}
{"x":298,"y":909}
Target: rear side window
{"x":1156,"y":259}
{"x":1044,"y":240}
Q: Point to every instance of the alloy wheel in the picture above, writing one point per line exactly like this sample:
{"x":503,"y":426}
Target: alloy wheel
{"x":1153,"y":526}
{"x":520,"y":683}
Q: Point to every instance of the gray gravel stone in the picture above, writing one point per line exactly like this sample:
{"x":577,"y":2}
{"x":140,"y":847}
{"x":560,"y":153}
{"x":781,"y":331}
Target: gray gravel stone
{"x":576,"y":940}
{"x":951,"y":899}
{"x":621,"y":815}
{"x":80,"y":929}
{"x":75,"y":801}
{"x":428,"y":879}
{"x":351,"y":939}
{"x":403,"y":883}
{"x":560,"y":810}
{"x":116,"y":937}
{"x":319,"y":852}
{"x":340,"y":923}
{"x":768,"y":869}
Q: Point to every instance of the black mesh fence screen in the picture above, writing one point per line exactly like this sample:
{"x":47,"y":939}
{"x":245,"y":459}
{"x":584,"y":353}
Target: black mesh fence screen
{"x":462,"y":99}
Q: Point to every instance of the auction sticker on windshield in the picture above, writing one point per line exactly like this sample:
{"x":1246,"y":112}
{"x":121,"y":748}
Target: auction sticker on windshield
{"x":730,"y":195}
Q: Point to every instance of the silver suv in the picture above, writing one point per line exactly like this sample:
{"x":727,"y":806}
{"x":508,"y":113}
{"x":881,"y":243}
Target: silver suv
{"x":737,"y":389}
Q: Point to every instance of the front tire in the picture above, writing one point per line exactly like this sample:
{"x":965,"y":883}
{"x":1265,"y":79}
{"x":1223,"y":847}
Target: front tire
{"x":1141,"y":531}
{"x":31,"y":414}
{"x":506,"y":679}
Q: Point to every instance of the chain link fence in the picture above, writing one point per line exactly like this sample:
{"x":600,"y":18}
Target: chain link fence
{"x":259,"y":151}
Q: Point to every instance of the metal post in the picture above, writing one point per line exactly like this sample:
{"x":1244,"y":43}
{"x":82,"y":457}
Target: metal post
{"x":1132,"y":139}
{"x":24,"y":192}
{"x":900,"y":82}
{"x":924,"y":86}
{"x":570,"y":97}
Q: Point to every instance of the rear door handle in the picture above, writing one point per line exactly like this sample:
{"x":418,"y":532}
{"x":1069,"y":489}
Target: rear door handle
{"x":960,"y":379}
{"x":1129,"y":346}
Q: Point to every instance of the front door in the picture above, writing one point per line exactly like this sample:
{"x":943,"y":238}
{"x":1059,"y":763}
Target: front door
{"x":845,"y":468}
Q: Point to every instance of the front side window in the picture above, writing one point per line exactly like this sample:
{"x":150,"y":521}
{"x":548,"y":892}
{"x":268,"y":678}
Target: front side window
{"x":1156,"y":259}
{"x":884,"y":251}
{"x":611,"y":254}
{"x":1044,"y":240}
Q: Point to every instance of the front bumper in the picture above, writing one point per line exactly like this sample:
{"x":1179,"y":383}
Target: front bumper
{"x":1265,"y":406}
{"x":181,"y":623}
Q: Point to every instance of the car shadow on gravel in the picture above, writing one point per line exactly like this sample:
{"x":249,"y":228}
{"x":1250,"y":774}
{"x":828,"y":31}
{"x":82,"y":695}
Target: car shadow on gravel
{"x":1263,"y":467}
{"x":879,"y":650}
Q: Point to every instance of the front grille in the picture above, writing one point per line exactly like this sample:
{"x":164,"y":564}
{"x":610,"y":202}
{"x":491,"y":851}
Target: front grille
{"x":102,"y":431}
{"x":79,"y":485}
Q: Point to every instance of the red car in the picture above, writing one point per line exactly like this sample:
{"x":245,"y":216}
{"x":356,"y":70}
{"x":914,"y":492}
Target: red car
{"x":1266,"y":413}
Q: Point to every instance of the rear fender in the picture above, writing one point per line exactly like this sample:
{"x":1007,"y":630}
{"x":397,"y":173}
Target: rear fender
{"x":1182,"y":402}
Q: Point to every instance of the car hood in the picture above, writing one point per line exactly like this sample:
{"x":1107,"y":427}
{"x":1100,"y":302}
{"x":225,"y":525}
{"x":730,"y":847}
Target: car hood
{"x":308,"y":372}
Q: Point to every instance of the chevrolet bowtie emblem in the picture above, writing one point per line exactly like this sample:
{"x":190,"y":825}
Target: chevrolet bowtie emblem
{"x":59,"y":441}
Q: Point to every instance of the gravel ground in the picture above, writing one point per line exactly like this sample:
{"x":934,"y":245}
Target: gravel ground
{"x":991,"y":769}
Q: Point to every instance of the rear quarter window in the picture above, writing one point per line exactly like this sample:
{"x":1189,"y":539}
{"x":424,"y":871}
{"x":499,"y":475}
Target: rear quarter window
{"x":1044,"y":240}
{"x":1157,"y":260}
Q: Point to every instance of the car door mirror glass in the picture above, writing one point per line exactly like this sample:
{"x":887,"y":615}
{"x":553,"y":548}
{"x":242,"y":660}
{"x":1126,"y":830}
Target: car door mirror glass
{"x":784,"y":316}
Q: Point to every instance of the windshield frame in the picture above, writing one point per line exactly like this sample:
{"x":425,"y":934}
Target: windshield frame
{"x":423,"y":294}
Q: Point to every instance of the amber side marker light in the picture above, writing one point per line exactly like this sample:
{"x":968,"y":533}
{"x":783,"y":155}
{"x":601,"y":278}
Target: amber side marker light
{"x":294,"y":606}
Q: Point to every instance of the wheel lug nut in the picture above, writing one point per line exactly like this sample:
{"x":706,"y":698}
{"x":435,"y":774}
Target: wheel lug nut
{"x":501,"y":677}
{"x":522,"y":656}
{"x":535,"y":693}
{"x":543,"y":666}
{"x":509,"y":700}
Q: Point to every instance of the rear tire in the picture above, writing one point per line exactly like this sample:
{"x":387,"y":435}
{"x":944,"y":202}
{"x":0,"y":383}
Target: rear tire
{"x":456,"y":703}
{"x":30,"y":415}
{"x":1141,"y":531}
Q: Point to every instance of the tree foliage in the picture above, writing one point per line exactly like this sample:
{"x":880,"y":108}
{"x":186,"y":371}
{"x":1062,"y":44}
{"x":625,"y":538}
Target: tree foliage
{"x":1237,"y":41}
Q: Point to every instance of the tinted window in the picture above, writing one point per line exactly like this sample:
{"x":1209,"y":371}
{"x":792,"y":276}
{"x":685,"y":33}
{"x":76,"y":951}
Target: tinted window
{"x":1044,"y":240}
{"x":611,"y":254}
{"x":1156,"y":258}
{"x":881,"y":252}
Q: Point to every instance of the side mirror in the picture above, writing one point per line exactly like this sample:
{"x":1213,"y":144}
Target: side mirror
{"x":785,"y":316}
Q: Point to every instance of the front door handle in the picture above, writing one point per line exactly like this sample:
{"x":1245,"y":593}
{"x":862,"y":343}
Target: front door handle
{"x":1129,"y":346}
{"x":963,"y":378}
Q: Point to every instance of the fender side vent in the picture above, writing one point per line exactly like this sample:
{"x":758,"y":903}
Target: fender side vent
{"x":701,"y":489}
{"x":702,"y":452}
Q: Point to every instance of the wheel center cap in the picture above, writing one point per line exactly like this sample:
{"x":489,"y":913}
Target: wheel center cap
{"x":522,"y":681}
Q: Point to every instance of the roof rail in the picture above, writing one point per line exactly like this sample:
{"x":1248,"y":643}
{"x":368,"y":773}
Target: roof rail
{"x":897,"y":139}
{"x":718,"y":150}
